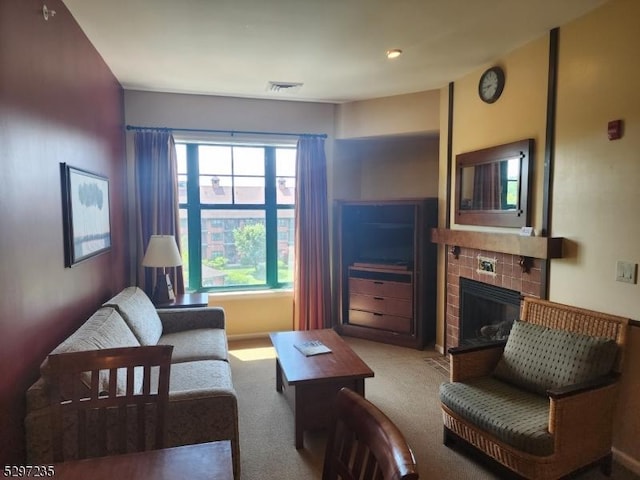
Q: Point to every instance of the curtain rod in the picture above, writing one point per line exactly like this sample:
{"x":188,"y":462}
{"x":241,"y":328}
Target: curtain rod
{"x":232,"y":132}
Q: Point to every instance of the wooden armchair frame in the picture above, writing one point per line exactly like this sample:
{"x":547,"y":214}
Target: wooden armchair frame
{"x":580,"y":416}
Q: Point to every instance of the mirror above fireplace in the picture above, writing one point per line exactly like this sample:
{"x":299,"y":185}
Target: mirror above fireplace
{"x":492,"y":185}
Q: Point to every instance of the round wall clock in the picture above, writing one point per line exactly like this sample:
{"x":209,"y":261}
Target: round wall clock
{"x":491,"y":84}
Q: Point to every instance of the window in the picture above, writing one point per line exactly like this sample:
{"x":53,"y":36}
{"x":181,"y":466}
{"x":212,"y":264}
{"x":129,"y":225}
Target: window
{"x":511,"y":180}
{"x":239,"y":200}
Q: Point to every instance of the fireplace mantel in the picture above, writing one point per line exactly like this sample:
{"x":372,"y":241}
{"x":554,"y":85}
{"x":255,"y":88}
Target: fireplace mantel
{"x":514,"y":244}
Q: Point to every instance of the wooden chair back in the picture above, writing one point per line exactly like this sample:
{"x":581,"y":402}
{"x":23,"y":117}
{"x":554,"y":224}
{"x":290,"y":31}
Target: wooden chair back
{"x":102,"y":401}
{"x":364,"y":444}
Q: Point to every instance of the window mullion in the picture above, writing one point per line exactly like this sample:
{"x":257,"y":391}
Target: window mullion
{"x":271,"y":217}
{"x":193,"y":216}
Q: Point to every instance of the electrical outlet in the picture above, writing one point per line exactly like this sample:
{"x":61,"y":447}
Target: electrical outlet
{"x":626,"y":272}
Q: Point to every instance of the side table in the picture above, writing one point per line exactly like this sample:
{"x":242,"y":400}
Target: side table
{"x":187,"y":300}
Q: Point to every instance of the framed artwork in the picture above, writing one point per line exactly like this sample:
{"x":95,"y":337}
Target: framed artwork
{"x":85,"y":210}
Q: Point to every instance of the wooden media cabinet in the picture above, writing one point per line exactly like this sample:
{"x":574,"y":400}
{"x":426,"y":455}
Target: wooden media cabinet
{"x":385,"y":269}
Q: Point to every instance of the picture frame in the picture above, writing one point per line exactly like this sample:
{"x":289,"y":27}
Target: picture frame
{"x":86,"y":214}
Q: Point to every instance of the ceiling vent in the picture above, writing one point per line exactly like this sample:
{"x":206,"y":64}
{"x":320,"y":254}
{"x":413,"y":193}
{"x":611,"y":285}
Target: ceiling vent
{"x":284,"y":87}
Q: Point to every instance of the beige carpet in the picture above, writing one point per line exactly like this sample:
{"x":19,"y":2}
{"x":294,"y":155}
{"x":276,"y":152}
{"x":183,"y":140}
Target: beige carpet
{"x":405,"y":387}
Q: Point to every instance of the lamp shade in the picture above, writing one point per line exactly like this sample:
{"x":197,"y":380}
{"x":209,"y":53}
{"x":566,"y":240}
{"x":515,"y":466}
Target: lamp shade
{"x":162,"y":251}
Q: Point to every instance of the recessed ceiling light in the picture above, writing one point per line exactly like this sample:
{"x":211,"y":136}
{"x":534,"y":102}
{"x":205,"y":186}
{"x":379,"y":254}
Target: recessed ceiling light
{"x":394,"y":53}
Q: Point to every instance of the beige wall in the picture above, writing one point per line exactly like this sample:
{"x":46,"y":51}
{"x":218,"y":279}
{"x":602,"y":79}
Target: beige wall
{"x":595,"y":190}
{"x":596,"y":193}
{"x":598,"y":82}
{"x":387,"y":147}
{"x":228,"y":113}
{"x":347,"y":172}
{"x":387,"y":168}
{"x":520,"y":112}
{"x":416,"y":113}
{"x":256,"y":313}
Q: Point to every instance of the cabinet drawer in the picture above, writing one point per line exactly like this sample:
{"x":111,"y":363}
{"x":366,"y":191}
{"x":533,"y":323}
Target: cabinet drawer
{"x":386,"y":305}
{"x":380,"y":321}
{"x":380,"y":288}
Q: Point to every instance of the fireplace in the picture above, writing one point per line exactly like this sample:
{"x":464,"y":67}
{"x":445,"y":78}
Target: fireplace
{"x":486,"y":311}
{"x":503,"y":271}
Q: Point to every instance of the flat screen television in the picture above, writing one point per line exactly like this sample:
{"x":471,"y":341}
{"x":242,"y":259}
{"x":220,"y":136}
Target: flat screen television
{"x":384,"y":243}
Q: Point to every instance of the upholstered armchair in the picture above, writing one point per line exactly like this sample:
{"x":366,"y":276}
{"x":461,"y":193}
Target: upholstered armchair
{"x":542,"y":403}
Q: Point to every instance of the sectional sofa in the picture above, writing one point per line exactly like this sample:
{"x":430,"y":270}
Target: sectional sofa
{"x":202,"y":401}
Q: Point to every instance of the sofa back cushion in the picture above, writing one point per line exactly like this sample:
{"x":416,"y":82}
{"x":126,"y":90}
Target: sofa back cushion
{"x":140,"y":314}
{"x":104,"y":329}
{"x":537,"y":358}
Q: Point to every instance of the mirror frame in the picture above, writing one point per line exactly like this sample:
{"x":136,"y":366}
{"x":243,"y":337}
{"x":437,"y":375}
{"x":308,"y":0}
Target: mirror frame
{"x":518,"y":217}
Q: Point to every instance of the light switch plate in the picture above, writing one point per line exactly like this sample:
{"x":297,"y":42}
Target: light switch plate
{"x":626,"y":272}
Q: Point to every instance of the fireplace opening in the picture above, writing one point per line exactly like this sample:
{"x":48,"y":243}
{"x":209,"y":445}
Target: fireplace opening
{"x":487,"y":312}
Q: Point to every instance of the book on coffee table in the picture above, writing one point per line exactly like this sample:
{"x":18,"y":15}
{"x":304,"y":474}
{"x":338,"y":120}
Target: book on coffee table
{"x":312,"y":347}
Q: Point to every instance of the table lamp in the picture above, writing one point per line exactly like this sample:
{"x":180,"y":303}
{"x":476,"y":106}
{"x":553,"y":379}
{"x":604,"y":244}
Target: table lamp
{"x":162,"y":252}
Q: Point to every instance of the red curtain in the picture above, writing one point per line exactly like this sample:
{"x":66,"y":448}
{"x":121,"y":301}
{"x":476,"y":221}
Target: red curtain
{"x":487,"y":187}
{"x":312,"y":296}
{"x":157,"y":210}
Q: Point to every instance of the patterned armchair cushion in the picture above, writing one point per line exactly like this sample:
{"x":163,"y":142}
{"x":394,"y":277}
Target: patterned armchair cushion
{"x":515,"y":416}
{"x":140,"y":314}
{"x":538,"y":358}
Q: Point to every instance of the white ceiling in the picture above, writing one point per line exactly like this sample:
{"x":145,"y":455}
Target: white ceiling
{"x":336,"y":48}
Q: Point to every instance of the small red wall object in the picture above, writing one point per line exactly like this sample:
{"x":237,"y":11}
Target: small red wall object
{"x":614,"y":129}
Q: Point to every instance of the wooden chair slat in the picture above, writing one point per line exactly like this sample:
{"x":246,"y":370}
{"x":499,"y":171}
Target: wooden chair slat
{"x":364,"y":444}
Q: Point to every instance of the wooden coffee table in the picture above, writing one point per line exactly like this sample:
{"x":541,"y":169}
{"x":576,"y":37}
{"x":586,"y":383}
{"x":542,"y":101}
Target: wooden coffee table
{"x":311,"y":383}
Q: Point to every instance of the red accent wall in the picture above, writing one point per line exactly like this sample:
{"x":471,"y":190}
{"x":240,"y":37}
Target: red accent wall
{"x":59,"y":102}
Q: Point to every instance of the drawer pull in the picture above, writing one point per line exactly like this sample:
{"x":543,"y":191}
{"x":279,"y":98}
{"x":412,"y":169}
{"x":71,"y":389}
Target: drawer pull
{"x":375,"y":314}
{"x":378,"y":298}
{"x":378,"y":283}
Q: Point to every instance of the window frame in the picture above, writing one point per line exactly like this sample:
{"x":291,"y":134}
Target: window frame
{"x":271,"y":208}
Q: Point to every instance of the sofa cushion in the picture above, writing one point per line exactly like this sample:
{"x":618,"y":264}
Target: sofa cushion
{"x":140,"y":314}
{"x":104,"y":329}
{"x":198,"y":344}
{"x":203,"y":406}
{"x":204,"y":377}
{"x":513,"y":415}
{"x":538,"y":358}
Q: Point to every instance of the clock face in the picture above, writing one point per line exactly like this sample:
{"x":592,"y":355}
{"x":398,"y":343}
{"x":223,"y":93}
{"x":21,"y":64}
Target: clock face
{"x":491,"y":84}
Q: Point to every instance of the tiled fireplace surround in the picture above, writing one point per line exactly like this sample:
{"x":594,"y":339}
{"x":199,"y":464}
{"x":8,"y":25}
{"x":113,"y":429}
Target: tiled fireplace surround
{"x":508,"y":274}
